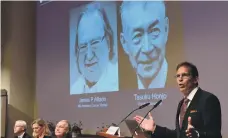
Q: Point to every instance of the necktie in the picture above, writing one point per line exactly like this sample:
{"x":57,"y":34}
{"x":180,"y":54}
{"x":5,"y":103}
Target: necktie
{"x":183,"y":110}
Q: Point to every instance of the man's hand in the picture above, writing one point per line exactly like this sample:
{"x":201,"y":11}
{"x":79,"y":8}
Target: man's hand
{"x":147,"y":124}
{"x":191,"y":132}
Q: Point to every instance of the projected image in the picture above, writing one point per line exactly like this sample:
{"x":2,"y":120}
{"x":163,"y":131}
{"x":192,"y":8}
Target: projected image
{"x":143,"y":37}
{"x":93,"y":49}
{"x":77,"y":60}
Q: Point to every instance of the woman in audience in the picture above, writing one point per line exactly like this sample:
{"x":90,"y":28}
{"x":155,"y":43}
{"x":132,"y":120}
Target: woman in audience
{"x":40,"y":129}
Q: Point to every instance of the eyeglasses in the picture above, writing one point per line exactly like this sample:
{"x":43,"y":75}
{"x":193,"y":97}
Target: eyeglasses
{"x":183,"y":75}
{"x":94,"y":44}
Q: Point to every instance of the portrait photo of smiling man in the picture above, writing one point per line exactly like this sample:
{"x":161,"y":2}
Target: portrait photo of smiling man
{"x":145,"y":29}
{"x":95,"y":49}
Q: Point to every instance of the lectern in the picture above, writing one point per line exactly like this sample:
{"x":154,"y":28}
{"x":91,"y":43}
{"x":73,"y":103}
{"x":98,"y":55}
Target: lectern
{"x":127,"y":129}
{"x":104,"y":134}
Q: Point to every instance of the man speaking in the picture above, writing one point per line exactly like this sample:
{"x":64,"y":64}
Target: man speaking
{"x":198,"y":114}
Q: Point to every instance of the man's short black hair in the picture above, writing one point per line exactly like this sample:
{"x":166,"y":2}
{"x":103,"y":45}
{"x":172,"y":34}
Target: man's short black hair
{"x":192,"y":68}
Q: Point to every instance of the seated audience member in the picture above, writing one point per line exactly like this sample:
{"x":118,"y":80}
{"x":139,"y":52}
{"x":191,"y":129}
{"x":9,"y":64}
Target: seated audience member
{"x":40,"y":129}
{"x":62,"y":129}
{"x":20,"y":129}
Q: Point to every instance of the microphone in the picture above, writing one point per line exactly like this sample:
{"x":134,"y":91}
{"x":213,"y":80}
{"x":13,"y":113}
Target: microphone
{"x":146,"y":115}
{"x":144,"y":105}
{"x":156,"y":105}
{"x":140,"y":107}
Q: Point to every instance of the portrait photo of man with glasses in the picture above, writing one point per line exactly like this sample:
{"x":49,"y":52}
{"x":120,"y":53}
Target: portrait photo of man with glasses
{"x":95,"y":51}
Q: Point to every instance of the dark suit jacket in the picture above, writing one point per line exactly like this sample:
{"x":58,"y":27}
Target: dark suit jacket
{"x":205,"y":112}
{"x":26,"y":135}
{"x":68,"y":135}
{"x":47,"y":137}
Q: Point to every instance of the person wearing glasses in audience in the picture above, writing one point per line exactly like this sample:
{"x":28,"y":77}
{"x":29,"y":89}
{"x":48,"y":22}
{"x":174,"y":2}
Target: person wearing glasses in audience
{"x":94,"y":53}
{"x":40,"y":129}
{"x":198,"y":113}
{"x":144,"y":35}
{"x":20,"y":128}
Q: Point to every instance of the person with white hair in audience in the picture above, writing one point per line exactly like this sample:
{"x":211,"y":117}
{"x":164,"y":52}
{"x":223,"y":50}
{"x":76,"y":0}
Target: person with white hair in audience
{"x":62,"y":129}
{"x":20,"y":128}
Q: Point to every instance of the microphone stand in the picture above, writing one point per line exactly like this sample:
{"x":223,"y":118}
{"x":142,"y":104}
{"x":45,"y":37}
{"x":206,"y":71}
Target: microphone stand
{"x":146,"y":116}
{"x":140,"y":107}
{"x":127,"y":116}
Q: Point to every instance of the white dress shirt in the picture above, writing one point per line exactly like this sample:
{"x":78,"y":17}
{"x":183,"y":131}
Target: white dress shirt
{"x":192,"y":94}
{"x":108,"y":82}
{"x":21,"y":136}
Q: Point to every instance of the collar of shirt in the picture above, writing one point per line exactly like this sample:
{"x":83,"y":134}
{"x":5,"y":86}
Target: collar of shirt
{"x":21,"y":136}
{"x":192,"y":94}
{"x":159,"y":81}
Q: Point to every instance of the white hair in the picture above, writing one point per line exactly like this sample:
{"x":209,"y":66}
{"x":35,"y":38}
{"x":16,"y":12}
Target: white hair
{"x":22,"y":123}
{"x":127,"y":4}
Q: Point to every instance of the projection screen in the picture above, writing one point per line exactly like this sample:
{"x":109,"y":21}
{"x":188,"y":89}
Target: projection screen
{"x":97,"y":61}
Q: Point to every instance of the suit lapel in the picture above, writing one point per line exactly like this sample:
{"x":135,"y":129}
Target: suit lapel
{"x":24,"y":136}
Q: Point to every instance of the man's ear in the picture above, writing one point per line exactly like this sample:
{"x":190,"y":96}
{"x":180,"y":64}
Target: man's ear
{"x":197,"y":80}
{"x":109,"y":42}
{"x":124,"y":43}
